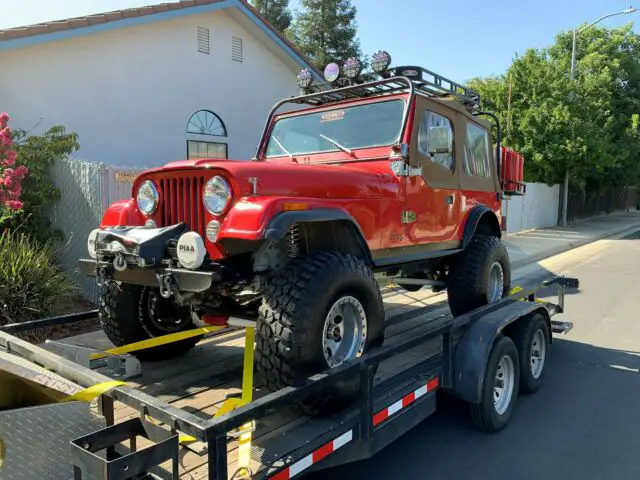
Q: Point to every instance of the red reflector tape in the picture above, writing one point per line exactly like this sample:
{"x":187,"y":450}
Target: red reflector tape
{"x":327,"y":449}
{"x":405,"y":401}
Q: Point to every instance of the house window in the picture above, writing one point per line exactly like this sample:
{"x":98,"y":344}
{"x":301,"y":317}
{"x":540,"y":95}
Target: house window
{"x":197,"y":149}
{"x":476,"y":151}
{"x":429,"y":120}
{"x":205,"y":122}
{"x":201,"y":123}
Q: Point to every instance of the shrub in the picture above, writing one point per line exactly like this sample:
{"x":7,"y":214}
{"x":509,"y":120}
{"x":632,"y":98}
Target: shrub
{"x":11,"y":176}
{"x":38,"y":153}
{"x":31,"y":286}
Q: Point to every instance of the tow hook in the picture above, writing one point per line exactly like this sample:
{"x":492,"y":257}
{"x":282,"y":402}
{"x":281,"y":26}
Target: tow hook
{"x":166,"y":282}
{"x":103,"y":276}
{"x":119,"y":262}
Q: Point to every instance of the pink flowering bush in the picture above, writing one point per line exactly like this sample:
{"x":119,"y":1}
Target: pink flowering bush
{"x":11,"y":176}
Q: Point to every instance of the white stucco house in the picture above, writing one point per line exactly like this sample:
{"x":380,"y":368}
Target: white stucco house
{"x":145,"y":86}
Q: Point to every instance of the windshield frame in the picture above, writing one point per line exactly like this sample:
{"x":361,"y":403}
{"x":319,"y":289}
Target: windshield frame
{"x":332,"y":107}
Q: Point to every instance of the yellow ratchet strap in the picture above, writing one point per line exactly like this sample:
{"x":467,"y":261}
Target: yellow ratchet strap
{"x":155,"y":342}
{"x":515,"y":290}
{"x":93,"y":392}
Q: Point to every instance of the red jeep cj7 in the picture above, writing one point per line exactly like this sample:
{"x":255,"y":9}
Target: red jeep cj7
{"x":386,"y":174}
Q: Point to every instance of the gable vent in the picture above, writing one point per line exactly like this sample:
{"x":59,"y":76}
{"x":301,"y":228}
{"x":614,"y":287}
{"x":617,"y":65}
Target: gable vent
{"x":204,"y":45}
{"x":236,"y":49}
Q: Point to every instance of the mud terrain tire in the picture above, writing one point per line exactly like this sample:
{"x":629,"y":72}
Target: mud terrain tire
{"x":296,"y":315}
{"x":469,"y":275}
{"x":125,"y":319}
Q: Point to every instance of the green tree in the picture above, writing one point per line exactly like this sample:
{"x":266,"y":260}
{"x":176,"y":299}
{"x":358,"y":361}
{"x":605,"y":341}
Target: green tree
{"x":590,"y":125}
{"x":326,"y":31}
{"x":276,"y":12}
{"x":38,"y":153}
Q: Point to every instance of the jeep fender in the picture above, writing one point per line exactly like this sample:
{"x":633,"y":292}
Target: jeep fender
{"x":474,"y":346}
{"x":122,"y":213}
{"x":279,"y":225}
{"x":480,"y":214}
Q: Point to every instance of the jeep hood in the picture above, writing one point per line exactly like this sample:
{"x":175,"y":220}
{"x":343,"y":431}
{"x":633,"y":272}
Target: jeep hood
{"x":345,"y":180}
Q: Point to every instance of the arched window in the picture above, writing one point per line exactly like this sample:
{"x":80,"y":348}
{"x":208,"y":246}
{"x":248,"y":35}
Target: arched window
{"x":205,"y":122}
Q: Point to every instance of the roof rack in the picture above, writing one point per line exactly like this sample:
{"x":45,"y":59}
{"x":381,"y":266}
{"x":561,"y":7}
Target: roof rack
{"x":394,"y":80}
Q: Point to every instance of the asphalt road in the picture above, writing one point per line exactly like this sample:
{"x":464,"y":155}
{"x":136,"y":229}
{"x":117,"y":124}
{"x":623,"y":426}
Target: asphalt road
{"x":584,"y":423}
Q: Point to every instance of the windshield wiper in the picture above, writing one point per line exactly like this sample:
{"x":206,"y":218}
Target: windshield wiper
{"x":282,"y":147}
{"x":341,"y":147}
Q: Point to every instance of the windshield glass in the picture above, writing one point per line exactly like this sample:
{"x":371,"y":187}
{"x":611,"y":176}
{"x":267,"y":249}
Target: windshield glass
{"x":360,"y":126}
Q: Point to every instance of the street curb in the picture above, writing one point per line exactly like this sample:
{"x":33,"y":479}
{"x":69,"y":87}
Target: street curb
{"x":570,"y":246}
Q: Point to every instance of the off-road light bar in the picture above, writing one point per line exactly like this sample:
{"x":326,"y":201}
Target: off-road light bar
{"x":304,"y":79}
{"x":332,"y":72}
{"x":380,"y":61}
{"x":352,"y":68}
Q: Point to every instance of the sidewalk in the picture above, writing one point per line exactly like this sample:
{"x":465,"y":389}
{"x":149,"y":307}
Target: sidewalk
{"x":534,"y":245}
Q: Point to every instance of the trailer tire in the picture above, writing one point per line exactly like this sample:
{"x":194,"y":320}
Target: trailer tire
{"x":494,"y":412}
{"x":312,"y":296}
{"x":471,"y":275}
{"x":125,"y":318}
{"x":531,"y":336}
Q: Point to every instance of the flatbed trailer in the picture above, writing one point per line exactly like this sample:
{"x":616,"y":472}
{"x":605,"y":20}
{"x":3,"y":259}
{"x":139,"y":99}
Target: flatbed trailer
{"x":425,"y":350}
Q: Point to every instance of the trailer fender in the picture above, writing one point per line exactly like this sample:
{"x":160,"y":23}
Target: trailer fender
{"x":474,"y":346}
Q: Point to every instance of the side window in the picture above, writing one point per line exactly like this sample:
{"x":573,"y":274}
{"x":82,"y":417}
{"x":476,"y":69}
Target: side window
{"x":476,"y":151}
{"x":435,"y":139}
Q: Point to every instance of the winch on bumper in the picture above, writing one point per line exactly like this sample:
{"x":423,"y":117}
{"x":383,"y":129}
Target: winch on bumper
{"x":150,"y":257}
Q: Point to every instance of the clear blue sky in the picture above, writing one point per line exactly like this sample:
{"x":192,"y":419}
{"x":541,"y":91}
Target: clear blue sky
{"x":459,"y":40}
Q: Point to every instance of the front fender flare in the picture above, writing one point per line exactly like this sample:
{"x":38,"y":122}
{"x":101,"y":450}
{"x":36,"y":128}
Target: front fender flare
{"x":278,"y":226}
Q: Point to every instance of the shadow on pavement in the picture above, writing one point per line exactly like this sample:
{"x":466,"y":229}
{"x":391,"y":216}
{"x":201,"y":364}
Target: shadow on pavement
{"x":582,"y":424}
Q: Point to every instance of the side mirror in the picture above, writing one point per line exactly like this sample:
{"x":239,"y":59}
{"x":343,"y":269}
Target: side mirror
{"x":439,"y":140}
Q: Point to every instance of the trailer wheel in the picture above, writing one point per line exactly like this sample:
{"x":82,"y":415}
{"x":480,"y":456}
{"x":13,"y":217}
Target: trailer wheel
{"x":131,"y":313}
{"x":320,"y":312}
{"x":479,"y":275}
{"x":500,"y":388}
{"x":531,"y":336}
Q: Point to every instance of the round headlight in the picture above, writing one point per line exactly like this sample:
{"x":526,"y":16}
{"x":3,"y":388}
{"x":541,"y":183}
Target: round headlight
{"x":147,"y":197}
{"x":216,"y":195}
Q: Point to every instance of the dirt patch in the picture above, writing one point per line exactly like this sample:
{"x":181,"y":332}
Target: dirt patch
{"x":75,"y":304}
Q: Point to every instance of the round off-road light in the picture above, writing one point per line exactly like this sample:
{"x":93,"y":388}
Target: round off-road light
{"x":216,"y":195}
{"x":332,"y":72}
{"x":213,"y":228}
{"x":352,"y":68}
{"x":190,"y":250}
{"x":91,"y":243}
{"x":305,"y":78}
{"x":380,"y":61}
{"x":148,"y":197}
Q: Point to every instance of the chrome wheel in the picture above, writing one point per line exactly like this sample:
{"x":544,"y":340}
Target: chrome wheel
{"x":538,"y":353}
{"x":345,"y":331}
{"x":495,"y":288}
{"x":504,"y":384}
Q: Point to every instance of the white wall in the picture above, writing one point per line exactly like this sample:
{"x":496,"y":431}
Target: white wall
{"x":130,"y":92}
{"x":536,"y":209}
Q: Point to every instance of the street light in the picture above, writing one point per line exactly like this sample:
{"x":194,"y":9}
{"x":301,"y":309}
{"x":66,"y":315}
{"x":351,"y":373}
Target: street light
{"x":626,"y":11}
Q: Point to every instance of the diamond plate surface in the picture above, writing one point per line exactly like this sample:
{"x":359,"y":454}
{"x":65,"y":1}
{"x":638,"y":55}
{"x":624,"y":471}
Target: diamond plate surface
{"x":37,"y":439}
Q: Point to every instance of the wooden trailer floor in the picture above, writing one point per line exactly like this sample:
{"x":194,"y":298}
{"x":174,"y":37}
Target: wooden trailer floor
{"x":200,"y":381}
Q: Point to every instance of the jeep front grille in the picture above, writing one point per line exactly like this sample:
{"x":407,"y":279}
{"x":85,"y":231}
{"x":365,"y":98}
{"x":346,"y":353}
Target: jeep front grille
{"x":181,"y":201}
